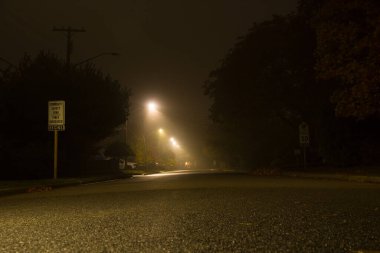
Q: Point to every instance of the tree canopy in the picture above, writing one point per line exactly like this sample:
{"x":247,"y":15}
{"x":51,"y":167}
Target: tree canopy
{"x":95,"y":105}
{"x":317,"y":65}
{"x":260,"y":91}
{"x":348,"y":52}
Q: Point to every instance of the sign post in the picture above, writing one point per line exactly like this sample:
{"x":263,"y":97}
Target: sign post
{"x":304,"y":139}
{"x":56,"y":122}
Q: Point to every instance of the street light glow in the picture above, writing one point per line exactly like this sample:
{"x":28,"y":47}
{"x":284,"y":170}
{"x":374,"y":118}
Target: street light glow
{"x":152,"y":107}
{"x":161,"y":131}
{"x":174,"y":143}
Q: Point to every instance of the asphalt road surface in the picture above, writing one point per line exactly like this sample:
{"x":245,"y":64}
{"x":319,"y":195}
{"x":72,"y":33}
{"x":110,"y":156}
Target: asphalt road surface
{"x":195,"y":212}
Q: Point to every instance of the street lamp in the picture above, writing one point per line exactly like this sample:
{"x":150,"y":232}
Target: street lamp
{"x":146,"y":137}
{"x":152,"y":107}
{"x":96,"y":56}
{"x":174,"y":143}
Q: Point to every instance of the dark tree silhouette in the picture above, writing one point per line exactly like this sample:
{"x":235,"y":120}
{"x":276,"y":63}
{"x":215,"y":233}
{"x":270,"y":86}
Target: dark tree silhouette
{"x":316,"y":66}
{"x":263,"y":90}
{"x":348,"y":53}
{"x":95,"y":105}
{"x":118,"y":150}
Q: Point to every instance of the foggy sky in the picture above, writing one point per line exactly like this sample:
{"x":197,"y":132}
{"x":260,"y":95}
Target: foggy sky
{"x":167,"y":47}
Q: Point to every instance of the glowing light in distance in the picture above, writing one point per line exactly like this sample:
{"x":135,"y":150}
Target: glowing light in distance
{"x":174,"y":143}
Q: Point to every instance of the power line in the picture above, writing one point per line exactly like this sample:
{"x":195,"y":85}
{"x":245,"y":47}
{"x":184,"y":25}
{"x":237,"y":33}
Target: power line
{"x":69,"y":30}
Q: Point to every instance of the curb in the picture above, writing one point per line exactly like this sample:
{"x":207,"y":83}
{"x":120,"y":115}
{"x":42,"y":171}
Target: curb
{"x":49,"y":187}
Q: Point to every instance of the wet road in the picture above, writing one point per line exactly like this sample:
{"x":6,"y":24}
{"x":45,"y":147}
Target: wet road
{"x":195,"y":213}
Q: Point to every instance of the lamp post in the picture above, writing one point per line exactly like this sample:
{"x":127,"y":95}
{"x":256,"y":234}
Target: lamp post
{"x":160,"y":146}
{"x":150,"y":109}
{"x":159,"y":133}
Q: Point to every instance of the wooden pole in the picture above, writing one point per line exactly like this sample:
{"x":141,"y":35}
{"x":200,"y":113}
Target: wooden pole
{"x":304,"y":157}
{"x":55,"y":153}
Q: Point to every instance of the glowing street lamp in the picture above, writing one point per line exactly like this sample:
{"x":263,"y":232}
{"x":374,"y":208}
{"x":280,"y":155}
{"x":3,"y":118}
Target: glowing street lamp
{"x":152,"y":107}
{"x":161,"y":131}
{"x":174,"y":143}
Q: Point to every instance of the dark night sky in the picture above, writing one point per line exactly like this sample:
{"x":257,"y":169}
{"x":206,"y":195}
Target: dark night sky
{"x":167,"y":47}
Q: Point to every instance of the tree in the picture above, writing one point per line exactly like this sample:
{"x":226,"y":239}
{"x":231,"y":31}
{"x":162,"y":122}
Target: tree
{"x":348,"y":54}
{"x":95,"y":105}
{"x":263,"y":89}
{"x":118,"y":150}
{"x":318,"y":65}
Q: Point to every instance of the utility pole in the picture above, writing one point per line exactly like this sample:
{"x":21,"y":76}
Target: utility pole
{"x":69,"y":30}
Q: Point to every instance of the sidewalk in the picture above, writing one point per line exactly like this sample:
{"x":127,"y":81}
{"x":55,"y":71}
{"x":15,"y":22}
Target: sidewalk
{"x":357,"y":174}
{"x":336,"y":176}
{"x":24,"y":186}
{"x":360,"y":174}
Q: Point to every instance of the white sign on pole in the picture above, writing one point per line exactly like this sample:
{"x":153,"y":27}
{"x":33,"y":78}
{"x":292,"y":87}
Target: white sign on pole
{"x":56,"y":115}
{"x":304,"y":134}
